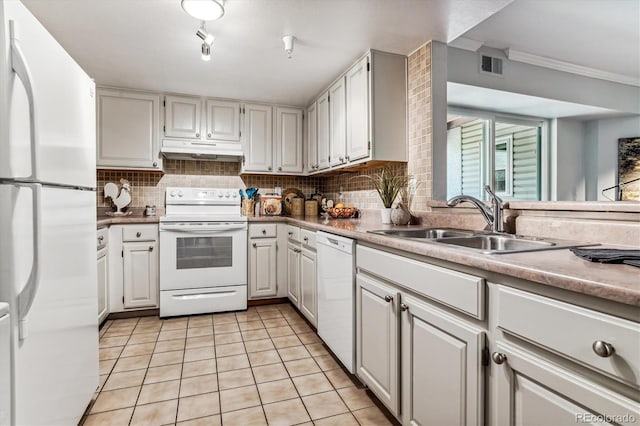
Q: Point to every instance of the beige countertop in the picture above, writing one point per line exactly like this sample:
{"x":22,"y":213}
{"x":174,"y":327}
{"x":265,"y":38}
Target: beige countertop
{"x":557,"y":268}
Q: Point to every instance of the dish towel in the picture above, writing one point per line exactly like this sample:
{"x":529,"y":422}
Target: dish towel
{"x":629,"y":257}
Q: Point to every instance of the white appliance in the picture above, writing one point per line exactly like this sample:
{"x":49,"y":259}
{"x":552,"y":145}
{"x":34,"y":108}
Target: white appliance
{"x":336,"y":296}
{"x":5,"y":364}
{"x":47,"y":223}
{"x":203,"y":252}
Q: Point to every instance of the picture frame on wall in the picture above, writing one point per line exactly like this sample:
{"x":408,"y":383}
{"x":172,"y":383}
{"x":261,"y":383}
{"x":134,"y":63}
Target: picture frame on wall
{"x":628,"y":169}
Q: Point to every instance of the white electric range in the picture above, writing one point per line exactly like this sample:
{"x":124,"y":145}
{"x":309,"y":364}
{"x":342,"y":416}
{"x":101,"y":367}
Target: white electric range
{"x":203,"y":252}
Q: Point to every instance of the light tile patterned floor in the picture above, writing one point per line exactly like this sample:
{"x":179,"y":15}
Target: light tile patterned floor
{"x":262,"y":366}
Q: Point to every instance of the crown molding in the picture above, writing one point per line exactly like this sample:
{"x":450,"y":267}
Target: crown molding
{"x":542,"y":61}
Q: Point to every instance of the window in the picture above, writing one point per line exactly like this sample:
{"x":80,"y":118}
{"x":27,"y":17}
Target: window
{"x":501,"y":151}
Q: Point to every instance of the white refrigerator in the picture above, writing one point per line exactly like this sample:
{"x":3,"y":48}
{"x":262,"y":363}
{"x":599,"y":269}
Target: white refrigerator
{"x":47,"y":224}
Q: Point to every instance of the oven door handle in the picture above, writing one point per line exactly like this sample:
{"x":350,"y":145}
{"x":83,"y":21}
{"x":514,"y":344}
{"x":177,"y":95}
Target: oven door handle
{"x":201,"y":230}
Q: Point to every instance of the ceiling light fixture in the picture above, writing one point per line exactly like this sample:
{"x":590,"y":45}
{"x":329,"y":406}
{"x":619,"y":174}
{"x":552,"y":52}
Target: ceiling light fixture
{"x":205,"y":10}
{"x":207,"y":39}
{"x":206,"y":52}
{"x":288,"y":44}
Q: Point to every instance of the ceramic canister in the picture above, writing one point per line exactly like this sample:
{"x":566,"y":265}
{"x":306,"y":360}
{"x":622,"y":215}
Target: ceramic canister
{"x":297,"y":206}
{"x":311,"y":208}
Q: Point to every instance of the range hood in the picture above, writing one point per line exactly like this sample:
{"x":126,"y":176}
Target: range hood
{"x":181,"y":149}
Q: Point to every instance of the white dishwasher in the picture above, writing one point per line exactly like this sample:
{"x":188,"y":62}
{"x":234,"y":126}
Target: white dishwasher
{"x":5,"y":365}
{"x":336,"y":295}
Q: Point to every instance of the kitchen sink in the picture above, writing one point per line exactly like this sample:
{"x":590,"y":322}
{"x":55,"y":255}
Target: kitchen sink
{"x":498,"y":243}
{"x":424,"y":233}
{"x":479,"y":241}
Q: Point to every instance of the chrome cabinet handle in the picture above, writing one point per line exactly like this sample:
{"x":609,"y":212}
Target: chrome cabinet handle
{"x":150,"y":248}
{"x":270,"y":168}
{"x":197,"y":135}
{"x":138,"y":234}
{"x":290,"y":233}
{"x":264,"y":232}
{"x":155,"y":164}
{"x":498,"y":357}
{"x":346,"y":158}
{"x":279,"y":169}
{"x":255,"y":245}
{"x":101,"y":238}
{"x":208,"y":135}
{"x":602,"y":348}
{"x":403,"y":307}
{"x":306,"y":239}
{"x":388,"y":298}
{"x":341,"y":159}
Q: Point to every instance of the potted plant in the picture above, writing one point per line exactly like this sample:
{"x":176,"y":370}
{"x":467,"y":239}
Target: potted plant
{"x":388,"y":185}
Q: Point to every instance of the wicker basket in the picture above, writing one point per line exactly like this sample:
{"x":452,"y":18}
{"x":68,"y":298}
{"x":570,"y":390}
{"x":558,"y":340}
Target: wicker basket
{"x":342,"y":212}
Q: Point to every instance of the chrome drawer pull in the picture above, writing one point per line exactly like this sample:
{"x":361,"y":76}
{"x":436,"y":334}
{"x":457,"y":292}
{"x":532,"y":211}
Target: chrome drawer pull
{"x":404,"y":307}
{"x":388,"y":298}
{"x":602,"y":348}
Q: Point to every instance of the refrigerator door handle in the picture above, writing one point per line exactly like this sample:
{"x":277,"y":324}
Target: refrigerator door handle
{"x":19,"y":66}
{"x":28,"y":293}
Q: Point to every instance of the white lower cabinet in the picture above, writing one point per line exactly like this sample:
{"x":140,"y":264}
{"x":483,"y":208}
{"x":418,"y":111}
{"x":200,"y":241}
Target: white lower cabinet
{"x":133,"y":267}
{"x":140,"y":279}
{"x":302,"y":289}
{"x":378,"y":340}
{"x":293,"y":273}
{"x":442,"y":373}
{"x":263,"y":267}
{"x":308,"y":285}
{"x":103,"y":284}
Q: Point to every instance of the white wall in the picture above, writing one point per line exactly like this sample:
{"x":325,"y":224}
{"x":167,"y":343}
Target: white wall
{"x":567,"y":160}
{"x":601,"y":137}
{"x":463,"y":67}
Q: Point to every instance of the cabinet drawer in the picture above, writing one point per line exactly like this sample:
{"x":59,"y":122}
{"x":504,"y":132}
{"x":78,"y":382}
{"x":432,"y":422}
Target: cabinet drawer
{"x":457,"y":290}
{"x":102,"y":237}
{"x":267,"y":230}
{"x":571,"y":331}
{"x":293,"y":233}
{"x":308,"y":238}
{"x":140,"y":233}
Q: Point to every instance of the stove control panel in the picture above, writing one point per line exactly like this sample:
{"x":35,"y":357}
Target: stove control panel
{"x":198,"y":196}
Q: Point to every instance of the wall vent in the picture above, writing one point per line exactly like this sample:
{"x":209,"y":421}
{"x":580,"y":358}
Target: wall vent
{"x":490,"y":65}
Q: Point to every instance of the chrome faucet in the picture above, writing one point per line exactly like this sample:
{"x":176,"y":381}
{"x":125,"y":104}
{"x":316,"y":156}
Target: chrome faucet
{"x":492,"y":215}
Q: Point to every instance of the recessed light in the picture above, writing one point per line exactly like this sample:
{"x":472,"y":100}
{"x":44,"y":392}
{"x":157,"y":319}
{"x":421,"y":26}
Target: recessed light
{"x":205,"y":10}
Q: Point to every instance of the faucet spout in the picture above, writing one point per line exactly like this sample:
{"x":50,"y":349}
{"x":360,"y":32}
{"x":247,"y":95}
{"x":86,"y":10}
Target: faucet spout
{"x":493,"y":215}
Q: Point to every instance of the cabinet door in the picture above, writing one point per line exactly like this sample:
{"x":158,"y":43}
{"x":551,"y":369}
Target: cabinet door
{"x":377,"y":340}
{"x":293,"y":273}
{"x":182,"y":117}
{"x":223,"y":120}
{"x":140,"y":264}
{"x":288,"y":140}
{"x":358,"y":111}
{"x":127,"y":126}
{"x":337,"y":123}
{"x":442,"y":373}
{"x":262,"y":268}
{"x":103,"y":284}
{"x":257,"y":138}
{"x":312,"y":139}
{"x":308,"y":285}
{"x":323,"y":131}
{"x":530,"y":390}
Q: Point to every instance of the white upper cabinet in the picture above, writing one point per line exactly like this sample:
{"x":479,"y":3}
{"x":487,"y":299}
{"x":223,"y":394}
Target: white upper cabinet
{"x":337,"y":123}
{"x":312,"y":138}
{"x":363,"y":115}
{"x":288,"y":140}
{"x":182,"y":117}
{"x":257,"y":138}
{"x":323,"y":131}
{"x":223,"y":120}
{"x":128,"y":123}
{"x":358,"y":110}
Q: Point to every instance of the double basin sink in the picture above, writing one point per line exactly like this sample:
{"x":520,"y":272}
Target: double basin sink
{"x":481,"y":241}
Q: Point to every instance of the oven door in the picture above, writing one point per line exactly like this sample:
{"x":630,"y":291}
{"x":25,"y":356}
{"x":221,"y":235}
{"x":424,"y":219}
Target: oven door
{"x":202,"y":254}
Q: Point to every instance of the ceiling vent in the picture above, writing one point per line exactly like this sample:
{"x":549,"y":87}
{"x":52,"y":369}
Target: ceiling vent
{"x":490,"y":65}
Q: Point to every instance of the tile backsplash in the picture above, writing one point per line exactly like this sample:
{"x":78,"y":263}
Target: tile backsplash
{"x":148,"y":187}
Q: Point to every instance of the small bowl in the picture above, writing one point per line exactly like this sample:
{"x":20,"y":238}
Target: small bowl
{"x":342,"y":213}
